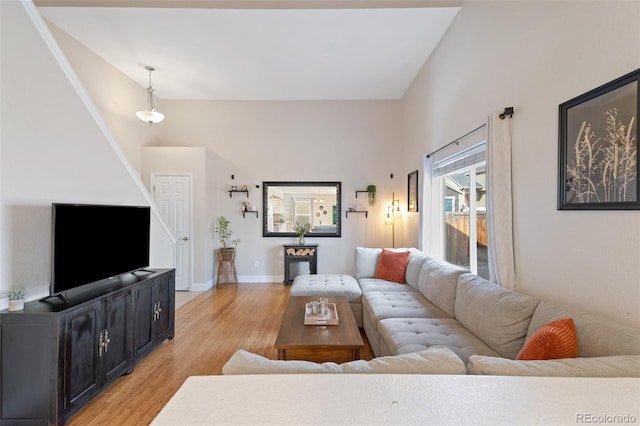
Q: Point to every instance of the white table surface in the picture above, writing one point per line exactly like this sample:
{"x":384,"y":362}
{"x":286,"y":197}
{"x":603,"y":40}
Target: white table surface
{"x":365,"y":399}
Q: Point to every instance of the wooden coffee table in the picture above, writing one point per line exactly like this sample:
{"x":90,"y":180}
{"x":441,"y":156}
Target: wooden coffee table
{"x":294,"y":335}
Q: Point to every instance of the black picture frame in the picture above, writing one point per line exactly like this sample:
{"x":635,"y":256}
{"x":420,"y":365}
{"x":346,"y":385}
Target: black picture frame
{"x":412,"y":192}
{"x":598,"y":148}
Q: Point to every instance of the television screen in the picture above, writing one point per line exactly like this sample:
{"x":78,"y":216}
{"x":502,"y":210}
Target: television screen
{"x":94,"y":242}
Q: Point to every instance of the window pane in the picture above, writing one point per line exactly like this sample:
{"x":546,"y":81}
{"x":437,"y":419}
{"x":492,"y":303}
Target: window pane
{"x":465,"y":217}
{"x":481,"y":220}
{"x":456,"y":218}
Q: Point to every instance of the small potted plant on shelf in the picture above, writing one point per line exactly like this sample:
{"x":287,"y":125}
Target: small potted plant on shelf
{"x":224,"y":233}
{"x":371,"y":192}
{"x":301,"y":229}
{"x":16,"y":298}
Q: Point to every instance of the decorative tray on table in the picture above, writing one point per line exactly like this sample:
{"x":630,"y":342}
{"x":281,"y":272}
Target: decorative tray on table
{"x":318,"y":319}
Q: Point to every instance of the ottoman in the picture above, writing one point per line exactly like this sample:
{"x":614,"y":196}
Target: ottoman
{"x":330,"y":285}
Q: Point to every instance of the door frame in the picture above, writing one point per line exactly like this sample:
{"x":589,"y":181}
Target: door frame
{"x":152,"y":180}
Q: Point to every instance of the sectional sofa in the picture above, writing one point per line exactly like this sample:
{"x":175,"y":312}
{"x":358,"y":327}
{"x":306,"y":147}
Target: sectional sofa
{"x":442,"y":309}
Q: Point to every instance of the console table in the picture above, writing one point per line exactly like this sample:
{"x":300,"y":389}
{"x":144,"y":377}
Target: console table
{"x":55,"y":357}
{"x":295,"y":253}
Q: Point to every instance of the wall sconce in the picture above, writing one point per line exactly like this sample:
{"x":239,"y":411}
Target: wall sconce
{"x":392,"y":210}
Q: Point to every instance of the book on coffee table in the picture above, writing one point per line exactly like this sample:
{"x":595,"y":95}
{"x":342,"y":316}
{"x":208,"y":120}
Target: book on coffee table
{"x":318,"y":319}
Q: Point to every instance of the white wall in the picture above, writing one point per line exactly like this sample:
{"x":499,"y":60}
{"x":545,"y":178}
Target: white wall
{"x":115,"y":95}
{"x":534,"y":56}
{"x":356,"y":143}
{"x":52,"y":151}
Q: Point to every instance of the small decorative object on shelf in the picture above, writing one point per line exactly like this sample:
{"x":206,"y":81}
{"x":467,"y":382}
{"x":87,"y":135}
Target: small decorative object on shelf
{"x":248,"y":208}
{"x":16,"y":299}
{"x":244,"y":188}
{"x":301,"y":229}
{"x":234,"y":188}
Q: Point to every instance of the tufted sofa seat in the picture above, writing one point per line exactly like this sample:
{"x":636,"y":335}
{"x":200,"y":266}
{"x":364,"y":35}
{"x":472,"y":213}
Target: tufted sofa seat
{"x":407,"y":335}
{"x":380,"y":305}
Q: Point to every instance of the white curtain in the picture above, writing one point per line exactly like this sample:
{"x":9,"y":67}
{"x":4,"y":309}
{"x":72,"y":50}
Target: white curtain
{"x":499,"y":202}
{"x":432,"y":223}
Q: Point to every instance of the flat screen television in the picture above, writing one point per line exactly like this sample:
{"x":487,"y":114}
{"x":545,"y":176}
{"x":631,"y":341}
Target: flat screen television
{"x":91,"y":243}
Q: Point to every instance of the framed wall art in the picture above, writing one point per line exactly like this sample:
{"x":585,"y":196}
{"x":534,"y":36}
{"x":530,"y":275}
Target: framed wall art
{"x":598,"y":148}
{"x":412,"y":195}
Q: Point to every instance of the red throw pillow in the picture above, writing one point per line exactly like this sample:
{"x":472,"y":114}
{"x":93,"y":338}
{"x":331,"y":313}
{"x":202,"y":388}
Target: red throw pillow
{"x":392,"y":265}
{"x":552,"y":341}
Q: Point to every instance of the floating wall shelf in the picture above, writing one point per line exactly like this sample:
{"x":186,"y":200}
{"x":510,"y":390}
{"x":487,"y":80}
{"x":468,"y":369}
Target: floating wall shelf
{"x":361,"y":192}
{"x":249,"y":211}
{"x":366,"y":213}
{"x":246,"y":191}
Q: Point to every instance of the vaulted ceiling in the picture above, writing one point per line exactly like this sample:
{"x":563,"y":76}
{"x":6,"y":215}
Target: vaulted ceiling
{"x":291,"y":50}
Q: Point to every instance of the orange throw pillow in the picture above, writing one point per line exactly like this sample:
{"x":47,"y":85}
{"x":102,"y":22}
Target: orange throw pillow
{"x":392,"y":265}
{"x":552,"y":341}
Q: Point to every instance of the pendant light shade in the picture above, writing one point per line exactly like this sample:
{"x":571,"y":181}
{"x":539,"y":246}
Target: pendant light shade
{"x":149,"y":114}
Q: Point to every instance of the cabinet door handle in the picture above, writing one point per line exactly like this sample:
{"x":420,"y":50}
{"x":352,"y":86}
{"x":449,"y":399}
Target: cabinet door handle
{"x":106,"y":341}
{"x":156,"y":311}
{"x":100,"y":343}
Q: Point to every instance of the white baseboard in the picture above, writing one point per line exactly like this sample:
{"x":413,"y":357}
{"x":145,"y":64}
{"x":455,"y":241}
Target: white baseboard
{"x":241,"y":279}
{"x":202,"y":286}
{"x":260,"y":278}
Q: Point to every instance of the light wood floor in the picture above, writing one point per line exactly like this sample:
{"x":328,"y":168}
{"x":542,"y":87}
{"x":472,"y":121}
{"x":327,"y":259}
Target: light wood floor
{"x":209,"y":329}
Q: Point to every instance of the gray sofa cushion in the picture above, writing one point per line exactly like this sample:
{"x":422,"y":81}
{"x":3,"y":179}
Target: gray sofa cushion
{"x":607,"y":366}
{"x":433,"y":361}
{"x":326,"y":285}
{"x":366,"y":261}
{"x":499,"y":317}
{"x":243,"y":362}
{"x":430,"y":361}
{"x":404,"y":335}
{"x":597,"y":336}
{"x":379,"y":305}
{"x":438,"y":282}
{"x":368,"y":285}
{"x":416,"y":260}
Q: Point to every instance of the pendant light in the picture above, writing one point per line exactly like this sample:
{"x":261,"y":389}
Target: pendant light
{"x":149,"y":114}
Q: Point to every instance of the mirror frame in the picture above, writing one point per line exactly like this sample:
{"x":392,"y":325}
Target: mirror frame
{"x":265,"y":204}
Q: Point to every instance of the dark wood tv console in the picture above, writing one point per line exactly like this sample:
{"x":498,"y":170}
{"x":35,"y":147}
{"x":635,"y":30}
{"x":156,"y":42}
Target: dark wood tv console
{"x":55,"y":357}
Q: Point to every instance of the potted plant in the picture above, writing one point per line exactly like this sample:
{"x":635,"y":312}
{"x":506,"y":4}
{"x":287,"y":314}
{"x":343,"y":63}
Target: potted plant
{"x":224,"y":233}
{"x":301,"y":229}
{"x":371,"y":192}
{"x":16,"y":298}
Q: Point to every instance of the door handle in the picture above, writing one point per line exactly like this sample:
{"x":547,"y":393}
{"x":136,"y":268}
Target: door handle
{"x":185,"y":238}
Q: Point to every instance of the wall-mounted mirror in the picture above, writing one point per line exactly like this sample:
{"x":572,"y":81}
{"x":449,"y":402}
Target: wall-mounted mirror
{"x":316,"y":203}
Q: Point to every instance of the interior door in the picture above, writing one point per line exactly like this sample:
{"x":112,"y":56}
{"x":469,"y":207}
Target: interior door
{"x":172,"y":194}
